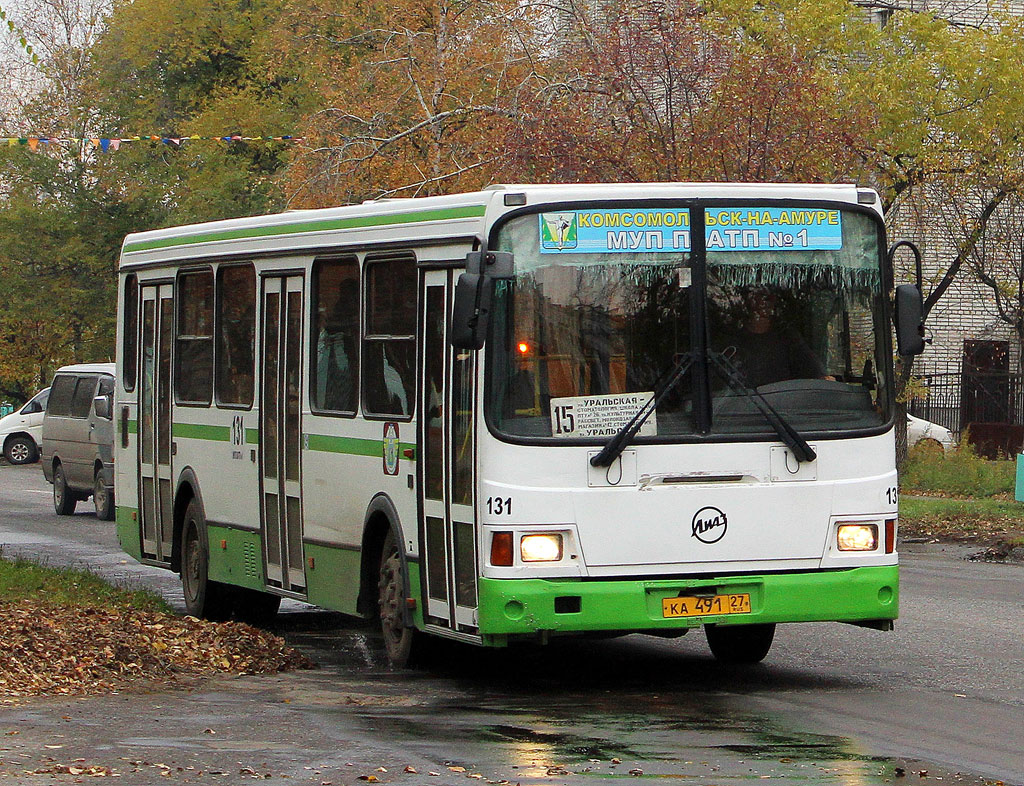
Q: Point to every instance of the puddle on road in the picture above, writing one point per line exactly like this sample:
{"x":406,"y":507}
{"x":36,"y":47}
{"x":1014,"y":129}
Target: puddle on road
{"x":577,"y":711}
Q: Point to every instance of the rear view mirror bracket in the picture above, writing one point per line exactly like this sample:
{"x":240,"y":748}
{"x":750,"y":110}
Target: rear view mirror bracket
{"x":908,"y":306}
{"x":471,"y":309}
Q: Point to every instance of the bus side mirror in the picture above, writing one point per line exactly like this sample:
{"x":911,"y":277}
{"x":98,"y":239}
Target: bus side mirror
{"x":909,"y":318}
{"x":103,"y":406}
{"x":471,"y":310}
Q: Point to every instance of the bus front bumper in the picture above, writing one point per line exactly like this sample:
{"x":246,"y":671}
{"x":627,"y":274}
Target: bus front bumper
{"x":867,"y":595}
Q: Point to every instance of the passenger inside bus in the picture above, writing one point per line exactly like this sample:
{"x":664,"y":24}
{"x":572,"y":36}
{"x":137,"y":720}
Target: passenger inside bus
{"x":765,"y":348}
{"x":336,"y":344}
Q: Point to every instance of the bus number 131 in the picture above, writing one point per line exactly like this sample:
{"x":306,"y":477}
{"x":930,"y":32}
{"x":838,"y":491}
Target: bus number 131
{"x":498,"y":506}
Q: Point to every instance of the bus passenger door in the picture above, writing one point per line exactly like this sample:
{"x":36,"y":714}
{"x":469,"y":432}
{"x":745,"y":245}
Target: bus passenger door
{"x":448,"y":521}
{"x":280,"y":432}
{"x":157,"y":505}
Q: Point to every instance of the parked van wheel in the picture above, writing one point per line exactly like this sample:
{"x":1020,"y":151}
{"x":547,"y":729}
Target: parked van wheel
{"x":64,"y":500}
{"x":21,"y":450}
{"x":203,"y":598}
{"x":102,"y":499}
{"x":398,"y":638}
{"x":740,"y":643}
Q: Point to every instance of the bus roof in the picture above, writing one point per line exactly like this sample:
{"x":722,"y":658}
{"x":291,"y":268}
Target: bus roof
{"x":422,"y":219}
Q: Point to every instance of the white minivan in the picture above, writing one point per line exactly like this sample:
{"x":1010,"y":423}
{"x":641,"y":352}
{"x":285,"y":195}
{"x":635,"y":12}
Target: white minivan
{"x":78,"y":438}
{"x":21,"y":431}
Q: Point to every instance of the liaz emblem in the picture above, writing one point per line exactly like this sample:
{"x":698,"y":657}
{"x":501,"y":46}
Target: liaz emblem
{"x":390,"y":448}
{"x":709,"y":525}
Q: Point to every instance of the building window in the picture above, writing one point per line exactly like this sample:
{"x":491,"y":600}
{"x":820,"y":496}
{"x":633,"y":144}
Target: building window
{"x":389,"y":343}
{"x":193,"y":356}
{"x":236,"y":335}
{"x":334,"y":372}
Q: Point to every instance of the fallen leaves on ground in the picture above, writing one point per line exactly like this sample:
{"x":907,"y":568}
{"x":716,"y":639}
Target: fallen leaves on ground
{"x":54,"y":650}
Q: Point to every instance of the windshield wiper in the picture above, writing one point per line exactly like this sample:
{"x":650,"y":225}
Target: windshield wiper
{"x":614,"y":447}
{"x":789,"y":435}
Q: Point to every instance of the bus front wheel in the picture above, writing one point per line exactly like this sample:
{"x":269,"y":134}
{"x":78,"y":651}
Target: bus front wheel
{"x":203,"y":598}
{"x":398,"y":637}
{"x":740,"y":643}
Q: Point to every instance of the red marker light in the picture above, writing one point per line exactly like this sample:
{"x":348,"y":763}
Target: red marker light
{"x":523,"y":347}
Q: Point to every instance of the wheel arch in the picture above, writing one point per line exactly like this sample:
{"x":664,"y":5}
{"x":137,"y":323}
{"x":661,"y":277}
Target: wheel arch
{"x":185,"y":491}
{"x":13,"y":434}
{"x":381,"y":517}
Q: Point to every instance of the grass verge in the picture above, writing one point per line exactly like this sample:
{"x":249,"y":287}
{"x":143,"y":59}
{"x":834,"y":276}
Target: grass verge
{"x":24,"y":580}
{"x":960,"y":473}
{"x":961,"y":519}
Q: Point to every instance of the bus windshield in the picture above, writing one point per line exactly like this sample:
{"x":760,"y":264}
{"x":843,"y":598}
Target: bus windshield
{"x":597,"y":317}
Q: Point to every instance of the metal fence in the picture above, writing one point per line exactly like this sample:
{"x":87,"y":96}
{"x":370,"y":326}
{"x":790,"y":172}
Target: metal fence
{"x":990,"y":404}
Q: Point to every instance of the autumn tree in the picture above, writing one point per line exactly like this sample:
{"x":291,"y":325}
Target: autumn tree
{"x":414,"y":96}
{"x":693,"y":91}
{"x":996,"y":263}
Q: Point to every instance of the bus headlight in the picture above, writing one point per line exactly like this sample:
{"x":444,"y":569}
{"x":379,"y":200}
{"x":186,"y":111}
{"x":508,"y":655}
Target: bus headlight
{"x":541,"y":548}
{"x":857,"y":537}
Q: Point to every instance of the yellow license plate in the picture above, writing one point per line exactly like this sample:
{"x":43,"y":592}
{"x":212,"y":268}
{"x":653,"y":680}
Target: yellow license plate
{"x":706,"y":606}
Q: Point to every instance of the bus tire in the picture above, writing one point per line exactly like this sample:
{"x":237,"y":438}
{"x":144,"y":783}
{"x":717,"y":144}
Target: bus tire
{"x":102,"y":498}
{"x":205,"y":599}
{"x":398,"y":637}
{"x":740,"y":643}
{"x":64,"y":500}
{"x":256,"y":607}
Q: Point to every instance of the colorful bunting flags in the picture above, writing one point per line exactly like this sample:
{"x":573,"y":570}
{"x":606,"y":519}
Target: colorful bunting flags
{"x":112,"y":144}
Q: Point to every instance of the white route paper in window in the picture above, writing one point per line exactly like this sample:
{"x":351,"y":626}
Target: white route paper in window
{"x":600,"y":416}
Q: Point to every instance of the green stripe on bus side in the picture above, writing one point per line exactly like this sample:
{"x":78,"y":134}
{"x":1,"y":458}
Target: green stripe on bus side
{"x":353,"y":446}
{"x":236,"y":556}
{"x":325,"y":567}
{"x":199,"y":431}
{"x":252,"y":436}
{"x":128,"y":532}
{"x":470,"y":211}
{"x":133,"y":427}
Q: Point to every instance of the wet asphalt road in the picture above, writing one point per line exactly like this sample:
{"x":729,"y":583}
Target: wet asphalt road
{"x":944,"y":694}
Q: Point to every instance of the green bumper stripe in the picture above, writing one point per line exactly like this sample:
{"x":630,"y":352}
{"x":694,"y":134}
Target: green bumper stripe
{"x":196,"y":431}
{"x":354,"y":446}
{"x":511,"y":606}
{"x":302,"y":227}
{"x":129,"y":533}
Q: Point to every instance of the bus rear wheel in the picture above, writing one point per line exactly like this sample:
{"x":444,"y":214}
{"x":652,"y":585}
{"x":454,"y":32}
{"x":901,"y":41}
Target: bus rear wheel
{"x":206,"y":599}
{"x":398,"y":637}
{"x":740,"y":643}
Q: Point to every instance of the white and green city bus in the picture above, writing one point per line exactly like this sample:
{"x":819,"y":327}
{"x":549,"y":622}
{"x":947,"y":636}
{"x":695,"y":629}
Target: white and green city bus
{"x":526,"y":412}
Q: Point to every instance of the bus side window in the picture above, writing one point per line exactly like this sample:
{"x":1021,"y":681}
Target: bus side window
{"x":335,"y":358}
{"x":389,"y":348}
{"x":236,"y":334}
{"x":130,"y":336}
{"x":193,"y":358}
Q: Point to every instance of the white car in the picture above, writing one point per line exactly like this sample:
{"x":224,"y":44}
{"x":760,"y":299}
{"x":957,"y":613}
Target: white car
{"x":21,"y":432}
{"x":926,"y":432}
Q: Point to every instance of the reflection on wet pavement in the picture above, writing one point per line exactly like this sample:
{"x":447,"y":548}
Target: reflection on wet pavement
{"x":579,"y":710}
